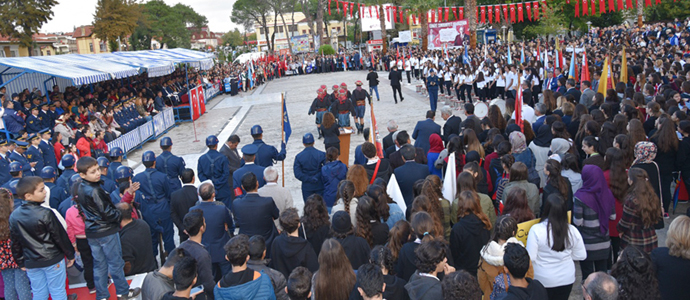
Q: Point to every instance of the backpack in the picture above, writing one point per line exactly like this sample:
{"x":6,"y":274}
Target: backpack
{"x":501,"y":284}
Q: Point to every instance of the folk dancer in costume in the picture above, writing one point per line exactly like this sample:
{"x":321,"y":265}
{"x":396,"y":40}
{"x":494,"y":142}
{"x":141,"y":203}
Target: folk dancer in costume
{"x":358,"y":97}
{"x":320,"y":107}
{"x":343,"y":86}
{"x":343,"y":108}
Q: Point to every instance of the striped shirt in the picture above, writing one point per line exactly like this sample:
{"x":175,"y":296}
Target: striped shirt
{"x":586,"y":220}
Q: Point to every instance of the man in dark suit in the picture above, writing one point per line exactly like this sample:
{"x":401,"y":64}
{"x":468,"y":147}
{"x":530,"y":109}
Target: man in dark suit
{"x":182,"y":200}
{"x":571,"y":90}
{"x":409,"y":173}
{"x":395,"y":77}
{"x":401,"y":139}
{"x":248,"y":154}
{"x":423,"y":130}
{"x":526,"y":94}
{"x":229,"y":149}
{"x":254,"y":215}
{"x":469,"y":112}
{"x":452,"y":125}
{"x":388,"y":139}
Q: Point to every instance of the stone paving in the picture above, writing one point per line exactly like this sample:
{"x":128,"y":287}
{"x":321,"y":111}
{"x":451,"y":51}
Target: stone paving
{"x":228,"y":115}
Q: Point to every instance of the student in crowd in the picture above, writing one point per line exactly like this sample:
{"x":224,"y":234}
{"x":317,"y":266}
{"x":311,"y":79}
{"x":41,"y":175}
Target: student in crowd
{"x":431,"y":263}
{"x":134,"y":233}
{"x":369,"y":224}
{"x":258,"y":262}
{"x":356,"y":248}
{"x":16,"y":282}
{"x":422,"y":225}
{"x":641,"y":211}
{"x":636,"y":275}
{"x":299,"y":284}
{"x":518,"y":179}
{"x":370,"y":284}
{"x":289,"y":249}
{"x":102,"y":223}
{"x":460,"y":285}
{"x":556,"y":183}
{"x":395,"y":287}
{"x":184,"y":277}
{"x":553,"y":245}
{"x":470,"y":233}
{"x":672,"y":263}
{"x":517,"y":263}
{"x":335,"y":278}
{"x":242,"y":282}
{"x":600,"y":285}
{"x":316,"y":226}
{"x":160,"y":282}
{"x":195,"y":226}
{"x":332,"y":173}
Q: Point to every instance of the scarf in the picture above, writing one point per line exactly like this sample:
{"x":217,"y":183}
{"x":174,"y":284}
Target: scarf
{"x":544,"y":137}
{"x":517,"y":141}
{"x":560,"y":146}
{"x":595,"y":193}
{"x":645,"y":152}
{"x":436,"y":143}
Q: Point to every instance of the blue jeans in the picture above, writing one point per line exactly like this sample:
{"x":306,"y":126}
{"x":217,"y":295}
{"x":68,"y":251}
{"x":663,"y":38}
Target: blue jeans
{"x":375,"y":89}
{"x":433,"y":98}
{"x":17,"y":286}
{"x":50,"y":279}
{"x":107,"y":259}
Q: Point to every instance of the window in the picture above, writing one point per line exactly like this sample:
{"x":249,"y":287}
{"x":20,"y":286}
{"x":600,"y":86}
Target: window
{"x":103,"y":47}
{"x":48,"y":52}
{"x":280,"y":29}
{"x":304,"y":31}
{"x":14,"y":53}
{"x":292,"y":28}
{"x":90,"y":47}
{"x":261,"y":31}
{"x":338,"y":28}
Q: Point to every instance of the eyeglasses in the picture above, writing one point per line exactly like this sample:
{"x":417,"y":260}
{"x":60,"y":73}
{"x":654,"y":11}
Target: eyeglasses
{"x":584,"y":290}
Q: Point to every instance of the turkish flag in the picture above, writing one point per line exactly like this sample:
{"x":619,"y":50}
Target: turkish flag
{"x":577,"y":8}
{"x":528,"y":7}
{"x":648,"y":2}
{"x":402,"y":15}
{"x":202,"y":100}
{"x":388,"y":14}
{"x":344,"y":9}
{"x":194,"y":101}
{"x":585,"y":9}
{"x":620,"y":5}
{"x":612,"y":7}
{"x":329,"y":7}
{"x":491,"y":13}
{"x":512,"y":13}
{"x":433,"y":20}
{"x":447,"y":9}
{"x":462,"y":13}
{"x":497,"y":11}
{"x":377,"y":11}
{"x":455,"y":13}
{"x":520,"y":13}
{"x":535,"y":9}
{"x":505,"y":13}
{"x":594,"y":7}
{"x":602,"y":6}
{"x":440,"y":14}
{"x":483,"y":9}
{"x":352,"y":7}
{"x":395,"y":14}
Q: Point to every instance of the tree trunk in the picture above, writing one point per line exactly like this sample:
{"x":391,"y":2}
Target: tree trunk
{"x":424,"y":21}
{"x":471,"y":12}
{"x":287,"y":31}
{"x":640,"y":13}
{"x":384,"y":33}
{"x":319,"y":21}
{"x":275,"y":28}
{"x":264,"y":25}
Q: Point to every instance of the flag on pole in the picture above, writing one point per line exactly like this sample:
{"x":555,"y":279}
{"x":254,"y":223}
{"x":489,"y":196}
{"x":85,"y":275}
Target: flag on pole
{"x":449,"y":179}
{"x":466,"y":58}
{"x":571,"y":70}
{"x":510,"y":58}
{"x":605,"y":78}
{"x":584,"y":75}
{"x":287,"y":129}
{"x":522,"y":55}
{"x":393,"y":190}
{"x":375,"y":138}
{"x":624,"y":68}
{"x":518,"y":107}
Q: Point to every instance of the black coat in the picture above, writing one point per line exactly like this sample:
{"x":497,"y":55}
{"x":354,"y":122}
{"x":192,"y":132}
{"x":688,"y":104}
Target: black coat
{"x":395,"y":289}
{"x":388,"y":141}
{"x":452,"y":126}
{"x":407,"y":175}
{"x":254,"y":215}
{"x":356,"y":249}
{"x":289,"y":252}
{"x":373,"y":79}
{"x":180,"y":203}
{"x":395,"y":77}
{"x":467,"y":238}
{"x":102,"y":218}
{"x":132,"y":236}
{"x":397,"y":161}
{"x":384,"y":171}
{"x":424,"y":288}
{"x":575,"y":92}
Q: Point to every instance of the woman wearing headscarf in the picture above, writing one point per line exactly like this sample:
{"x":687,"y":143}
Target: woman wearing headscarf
{"x":540,"y":146}
{"x":560,"y":147}
{"x":523,"y":154}
{"x":645,"y":153}
{"x":593,"y":207}
{"x":436,"y":146}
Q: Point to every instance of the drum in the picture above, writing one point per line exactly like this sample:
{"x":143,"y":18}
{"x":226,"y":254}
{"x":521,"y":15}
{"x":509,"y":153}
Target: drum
{"x":481,"y":110}
{"x":500,"y":103}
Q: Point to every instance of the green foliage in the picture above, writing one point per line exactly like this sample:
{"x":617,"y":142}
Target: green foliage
{"x":166,"y":24}
{"x":560,"y":16}
{"x":252,"y":37}
{"x":113,"y":45}
{"x":326,"y":49}
{"x":667,"y":11}
{"x":233,"y":38}
{"x":249,"y":12}
{"x":22,"y":18}
{"x":115,"y":18}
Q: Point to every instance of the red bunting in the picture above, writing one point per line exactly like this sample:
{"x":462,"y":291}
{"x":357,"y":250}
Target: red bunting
{"x":612,"y":7}
{"x":433,"y":19}
{"x":647,"y":2}
{"x":329,"y":7}
{"x":535,"y":9}
{"x":395,"y":14}
{"x":585,"y":9}
{"x":455,"y":13}
{"x":377,"y":12}
{"x":659,"y":1}
{"x":337,"y":5}
{"x":447,"y":9}
{"x":491,"y":13}
{"x":528,"y":7}
{"x":401,"y":16}
{"x":602,"y":6}
{"x":388,"y":14}
{"x":497,"y":12}
{"x":505,"y":13}
{"x":483,"y":9}
{"x":462,"y":13}
{"x":520,"y":13}
{"x":344,"y":9}
{"x":359,"y":10}
{"x":439,"y":16}
{"x":594,"y":8}
{"x":352,"y":7}
{"x":628,"y":4}
{"x":620,"y":5}
{"x":512,"y":13}
{"x":370,"y":14}
{"x":577,"y":8}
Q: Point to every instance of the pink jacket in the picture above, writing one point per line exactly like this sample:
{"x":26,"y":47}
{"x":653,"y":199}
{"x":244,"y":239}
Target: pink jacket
{"x":75,"y":224}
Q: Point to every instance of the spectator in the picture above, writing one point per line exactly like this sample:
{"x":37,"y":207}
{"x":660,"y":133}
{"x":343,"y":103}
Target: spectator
{"x":460,"y":285}
{"x":422,"y":225}
{"x":517,"y":207}
{"x":185,"y":275}
{"x":600,"y":285}
{"x":182,"y":200}
{"x":85,"y":142}
{"x":369,"y":224}
{"x":333,"y":172}
{"x":641,"y":211}
{"x":258,"y":262}
{"x":195,"y":226}
{"x":517,"y":263}
{"x":317,"y":225}
{"x":388,"y":209}
{"x":133,"y":233}
{"x":636,"y":275}
{"x":289,"y":249}
{"x":518,"y":179}
{"x":16,"y":282}
{"x":424,"y":129}
{"x":553,"y":245}
{"x":299,"y":284}
{"x":394,"y":287}
{"x":335,"y":278}
{"x":159,"y":282}
{"x":672,"y":263}
{"x":356,"y":248}
{"x":281,"y":195}
{"x":376,"y":167}
{"x":409,"y":172}
{"x":217,"y":230}
{"x":370,"y":284}
{"x":431,"y":261}
{"x":347,"y":201}
{"x":470,"y":233}
{"x":555,"y":183}
{"x":102,"y":223}
{"x":254,"y":214}
{"x":242,"y":282}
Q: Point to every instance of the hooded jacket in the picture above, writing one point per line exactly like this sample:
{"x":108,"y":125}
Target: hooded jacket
{"x":332,"y":173}
{"x":491,"y":264}
{"x":466,"y":241}
{"x":534,"y":291}
{"x":289,"y":252}
{"x":260,"y":288}
{"x":424,"y":288}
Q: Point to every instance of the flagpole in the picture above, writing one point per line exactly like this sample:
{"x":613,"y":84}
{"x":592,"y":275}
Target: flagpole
{"x":282,"y":131}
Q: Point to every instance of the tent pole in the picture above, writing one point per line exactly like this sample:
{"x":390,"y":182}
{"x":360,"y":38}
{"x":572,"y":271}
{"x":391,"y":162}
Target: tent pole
{"x":13,"y":78}
{"x":45,"y":86}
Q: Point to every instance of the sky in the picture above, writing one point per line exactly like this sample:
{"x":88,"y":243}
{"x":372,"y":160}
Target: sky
{"x":69,"y":14}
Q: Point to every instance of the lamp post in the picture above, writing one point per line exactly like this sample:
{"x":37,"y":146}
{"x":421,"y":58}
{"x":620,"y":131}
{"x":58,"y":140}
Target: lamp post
{"x":504,"y":32}
{"x":589,"y":27}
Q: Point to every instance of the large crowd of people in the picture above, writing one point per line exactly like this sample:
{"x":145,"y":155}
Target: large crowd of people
{"x":597,"y":170}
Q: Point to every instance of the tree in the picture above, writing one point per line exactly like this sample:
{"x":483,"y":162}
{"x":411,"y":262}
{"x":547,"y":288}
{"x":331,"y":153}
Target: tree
{"x":115,"y":18}
{"x":166,"y":24}
{"x":21,"y":19}
{"x":667,"y":11}
{"x":421,"y":7}
{"x":233,"y":38}
{"x":249,"y":12}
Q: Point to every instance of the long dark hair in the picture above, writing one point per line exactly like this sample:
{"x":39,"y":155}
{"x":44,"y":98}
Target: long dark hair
{"x":366,"y":212}
{"x":555,"y":178}
{"x":335,"y":278}
{"x":623,"y":141}
{"x":315,"y":213}
{"x":665,"y":137}
{"x":380,"y":199}
{"x":398,"y":236}
{"x":556,"y":215}
{"x":635,"y":273}
{"x":6,"y":204}
{"x":505,"y":228}
{"x":517,"y":206}
{"x":642,"y":192}
{"x":618,"y":180}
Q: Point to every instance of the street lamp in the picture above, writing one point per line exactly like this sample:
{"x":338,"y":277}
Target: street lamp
{"x":504,"y":32}
{"x":589,"y":26}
